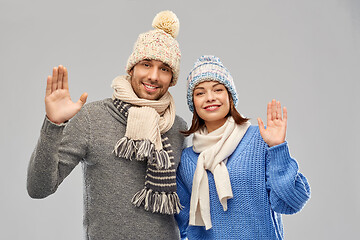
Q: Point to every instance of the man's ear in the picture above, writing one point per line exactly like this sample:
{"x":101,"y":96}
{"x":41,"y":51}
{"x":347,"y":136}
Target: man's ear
{"x":131,"y":72}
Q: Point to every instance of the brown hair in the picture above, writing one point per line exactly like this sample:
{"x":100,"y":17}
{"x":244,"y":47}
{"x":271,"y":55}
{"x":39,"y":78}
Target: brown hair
{"x":198,"y":122}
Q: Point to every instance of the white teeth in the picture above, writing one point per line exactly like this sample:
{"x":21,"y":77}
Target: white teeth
{"x":211,"y":107}
{"x":148,"y":86}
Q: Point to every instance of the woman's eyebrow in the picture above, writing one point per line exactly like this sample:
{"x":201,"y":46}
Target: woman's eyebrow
{"x":217,"y":84}
{"x":198,"y":88}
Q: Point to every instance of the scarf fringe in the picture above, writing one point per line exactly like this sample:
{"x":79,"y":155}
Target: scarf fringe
{"x":155,"y":202}
{"x":141,"y":150}
{"x":161,"y":159}
{"x":125,"y":148}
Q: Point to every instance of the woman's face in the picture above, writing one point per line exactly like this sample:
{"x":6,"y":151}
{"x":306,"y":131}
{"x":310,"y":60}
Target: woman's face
{"x":211,"y":102}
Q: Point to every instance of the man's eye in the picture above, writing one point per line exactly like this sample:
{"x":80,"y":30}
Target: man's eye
{"x":165,"y":70}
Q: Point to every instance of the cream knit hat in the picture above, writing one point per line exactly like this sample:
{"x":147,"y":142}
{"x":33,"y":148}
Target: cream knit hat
{"x":159,"y":44}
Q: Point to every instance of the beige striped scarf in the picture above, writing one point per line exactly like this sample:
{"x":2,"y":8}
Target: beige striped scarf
{"x":147,"y":120}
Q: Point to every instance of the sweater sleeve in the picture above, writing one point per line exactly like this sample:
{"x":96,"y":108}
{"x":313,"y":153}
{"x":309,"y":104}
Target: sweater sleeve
{"x":59,"y":149}
{"x":289,"y":189}
{"x":183,"y":217}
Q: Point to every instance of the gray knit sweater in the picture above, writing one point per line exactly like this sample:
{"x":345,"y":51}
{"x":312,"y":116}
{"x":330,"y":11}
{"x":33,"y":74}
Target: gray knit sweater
{"x":109,"y":182}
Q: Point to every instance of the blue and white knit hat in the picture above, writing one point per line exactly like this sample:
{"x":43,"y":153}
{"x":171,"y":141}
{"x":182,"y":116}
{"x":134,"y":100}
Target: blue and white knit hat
{"x":209,"y":68}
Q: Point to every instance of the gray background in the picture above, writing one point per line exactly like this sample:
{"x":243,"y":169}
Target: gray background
{"x":304,"y":53}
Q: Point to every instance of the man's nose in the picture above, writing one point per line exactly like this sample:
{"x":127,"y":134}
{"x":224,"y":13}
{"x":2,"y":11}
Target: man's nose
{"x":153,"y":74}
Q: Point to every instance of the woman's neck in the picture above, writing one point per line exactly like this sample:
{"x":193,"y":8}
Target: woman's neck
{"x":213,"y":125}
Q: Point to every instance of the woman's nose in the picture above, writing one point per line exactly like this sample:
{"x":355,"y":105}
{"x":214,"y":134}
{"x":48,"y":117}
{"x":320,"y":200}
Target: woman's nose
{"x":210,"y":96}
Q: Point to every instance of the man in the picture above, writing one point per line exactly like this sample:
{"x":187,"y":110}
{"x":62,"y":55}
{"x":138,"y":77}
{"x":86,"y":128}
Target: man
{"x":123,"y":199}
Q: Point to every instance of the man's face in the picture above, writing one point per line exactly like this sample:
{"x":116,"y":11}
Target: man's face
{"x":150,"y":79}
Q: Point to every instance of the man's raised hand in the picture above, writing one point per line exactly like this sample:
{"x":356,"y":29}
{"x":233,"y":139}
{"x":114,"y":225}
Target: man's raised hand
{"x":58,"y":104}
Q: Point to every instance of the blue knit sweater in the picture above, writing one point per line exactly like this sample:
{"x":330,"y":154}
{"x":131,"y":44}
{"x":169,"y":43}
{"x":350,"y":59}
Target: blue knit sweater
{"x":265,"y":183}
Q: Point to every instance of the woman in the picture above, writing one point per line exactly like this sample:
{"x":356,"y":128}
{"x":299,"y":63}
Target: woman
{"x":237,"y":179}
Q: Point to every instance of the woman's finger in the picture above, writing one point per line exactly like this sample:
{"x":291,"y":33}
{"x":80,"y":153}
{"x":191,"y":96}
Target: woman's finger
{"x":261,"y":125}
{"x":273,"y":109}
{"x":268,"y":112}
{"x":278,"y":110}
{"x":285,"y":114}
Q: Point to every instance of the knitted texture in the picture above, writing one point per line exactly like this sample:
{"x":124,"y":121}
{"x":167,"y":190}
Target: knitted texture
{"x":265,"y":183}
{"x":209,"y":68}
{"x":160,"y":114}
{"x":109,"y":182}
{"x":159,"y":44}
{"x":159,"y":193}
{"x":214,"y":148}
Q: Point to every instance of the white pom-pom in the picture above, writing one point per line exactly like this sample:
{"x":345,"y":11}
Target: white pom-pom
{"x":168,"y":22}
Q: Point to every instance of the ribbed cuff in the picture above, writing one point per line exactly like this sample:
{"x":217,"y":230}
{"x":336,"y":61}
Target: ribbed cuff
{"x":281,"y":154}
{"x":51,"y":129}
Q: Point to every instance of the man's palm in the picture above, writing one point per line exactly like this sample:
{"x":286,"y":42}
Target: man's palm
{"x":58,"y":104}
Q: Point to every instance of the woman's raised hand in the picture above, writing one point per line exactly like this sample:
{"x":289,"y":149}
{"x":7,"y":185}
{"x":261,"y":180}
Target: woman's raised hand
{"x":275,"y":131}
{"x":58,"y":105}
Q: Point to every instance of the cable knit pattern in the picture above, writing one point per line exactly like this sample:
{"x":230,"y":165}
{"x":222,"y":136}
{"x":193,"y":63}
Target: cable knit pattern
{"x":265,"y":182}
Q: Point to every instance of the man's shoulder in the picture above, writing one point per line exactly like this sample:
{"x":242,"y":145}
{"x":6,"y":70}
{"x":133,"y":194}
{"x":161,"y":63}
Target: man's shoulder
{"x":96,"y":105}
{"x":180,"y":123}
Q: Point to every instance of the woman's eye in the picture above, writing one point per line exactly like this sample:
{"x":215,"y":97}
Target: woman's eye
{"x":199,"y":93}
{"x":219,"y":90}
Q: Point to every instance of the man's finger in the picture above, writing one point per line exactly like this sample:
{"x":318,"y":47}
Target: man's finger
{"x":83,"y":98}
{"x":54,"y":79}
{"x":48,"y":86}
{"x":65,"y":82}
{"x":60,"y":77}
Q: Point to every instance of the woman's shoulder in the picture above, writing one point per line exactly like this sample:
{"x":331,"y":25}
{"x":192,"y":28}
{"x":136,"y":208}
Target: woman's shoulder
{"x":189,"y":156}
{"x":188,"y":152}
{"x":251,"y":139}
{"x":252,"y":132}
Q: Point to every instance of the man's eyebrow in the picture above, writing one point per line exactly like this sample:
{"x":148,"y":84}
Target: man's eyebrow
{"x":145,"y":60}
{"x":166,"y":65}
{"x":149,"y":60}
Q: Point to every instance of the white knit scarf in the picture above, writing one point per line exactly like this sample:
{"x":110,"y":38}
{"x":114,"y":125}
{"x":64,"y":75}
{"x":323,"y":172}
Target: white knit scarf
{"x":214,"y":148}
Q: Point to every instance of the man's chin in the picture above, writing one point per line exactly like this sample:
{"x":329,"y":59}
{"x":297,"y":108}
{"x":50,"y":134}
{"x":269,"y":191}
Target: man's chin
{"x":149,"y":96}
